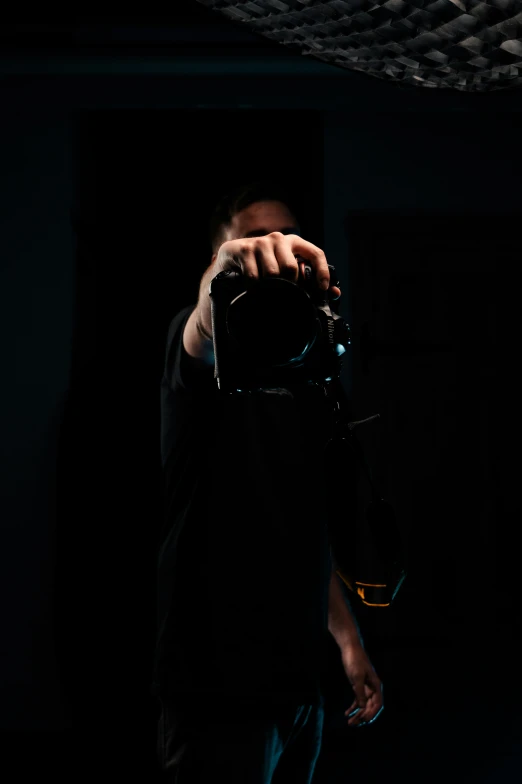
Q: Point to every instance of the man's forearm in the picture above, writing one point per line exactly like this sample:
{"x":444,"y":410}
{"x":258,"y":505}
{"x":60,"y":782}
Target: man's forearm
{"x":197,"y":336}
{"x":203,"y":309}
{"x":341,"y":623}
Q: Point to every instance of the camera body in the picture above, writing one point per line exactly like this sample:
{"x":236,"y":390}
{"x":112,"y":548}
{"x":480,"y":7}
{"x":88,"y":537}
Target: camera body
{"x":271,"y":332}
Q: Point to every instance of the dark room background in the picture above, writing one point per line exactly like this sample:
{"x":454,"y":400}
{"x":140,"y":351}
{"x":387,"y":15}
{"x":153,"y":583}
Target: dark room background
{"x":110,"y":167}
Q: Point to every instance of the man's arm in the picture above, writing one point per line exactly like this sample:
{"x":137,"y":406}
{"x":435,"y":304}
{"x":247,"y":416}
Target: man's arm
{"x":341,"y":623}
{"x":196,"y":343}
{"x":197,"y":335}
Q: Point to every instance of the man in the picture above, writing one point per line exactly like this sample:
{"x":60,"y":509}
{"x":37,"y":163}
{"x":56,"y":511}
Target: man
{"x":247,"y":591}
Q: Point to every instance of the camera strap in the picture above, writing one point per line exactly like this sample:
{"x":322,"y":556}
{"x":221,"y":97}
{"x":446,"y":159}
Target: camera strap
{"x":369,"y":559}
{"x":335,"y":394}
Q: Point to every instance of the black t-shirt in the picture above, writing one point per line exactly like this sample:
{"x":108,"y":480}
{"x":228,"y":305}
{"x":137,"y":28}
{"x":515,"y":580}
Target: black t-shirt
{"x":244,"y":559}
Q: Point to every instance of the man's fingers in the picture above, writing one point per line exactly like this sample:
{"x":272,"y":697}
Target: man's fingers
{"x":315,"y":256}
{"x":248,"y":263}
{"x":373,"y":694}
{"x":286,"y":260}
{"x":373,"y":707}
{"x":277,"y":254}
{"x":358,"y":716}
{"x":266,"y":258}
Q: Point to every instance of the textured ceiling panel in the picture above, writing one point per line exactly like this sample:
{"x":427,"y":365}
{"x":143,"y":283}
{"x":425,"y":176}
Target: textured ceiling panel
{"x":459,"y":44}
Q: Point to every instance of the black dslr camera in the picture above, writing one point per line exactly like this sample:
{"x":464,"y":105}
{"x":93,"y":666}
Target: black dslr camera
{"x":271,"y":333}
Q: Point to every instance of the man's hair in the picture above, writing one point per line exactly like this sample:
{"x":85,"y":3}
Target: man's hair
{"x":242,"y":197}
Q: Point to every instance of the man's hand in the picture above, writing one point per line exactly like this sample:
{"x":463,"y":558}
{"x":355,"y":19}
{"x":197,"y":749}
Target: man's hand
{"x":366,"y":684}
{"x":276,"y":254}
{"x":272,"y":255}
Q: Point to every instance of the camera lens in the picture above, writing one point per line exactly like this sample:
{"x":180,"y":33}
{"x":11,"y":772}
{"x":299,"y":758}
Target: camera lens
{"x":273,"y":323}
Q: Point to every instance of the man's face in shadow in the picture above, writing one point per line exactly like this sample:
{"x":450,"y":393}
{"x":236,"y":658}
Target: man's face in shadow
{"x":260,"y":218}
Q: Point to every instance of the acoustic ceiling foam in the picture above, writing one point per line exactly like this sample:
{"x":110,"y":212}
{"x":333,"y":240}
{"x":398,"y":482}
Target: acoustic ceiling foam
{"x":460,"y":44}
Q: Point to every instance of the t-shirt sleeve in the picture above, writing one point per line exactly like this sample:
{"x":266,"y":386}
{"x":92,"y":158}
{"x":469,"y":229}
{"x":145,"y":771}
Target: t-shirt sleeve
{"x":179,"y":372}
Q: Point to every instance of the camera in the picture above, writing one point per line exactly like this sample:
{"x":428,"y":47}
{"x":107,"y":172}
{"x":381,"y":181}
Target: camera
{"x":272,"y":333}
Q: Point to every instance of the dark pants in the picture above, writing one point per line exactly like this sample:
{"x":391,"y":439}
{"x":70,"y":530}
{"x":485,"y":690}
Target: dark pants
{"x":239,"y":745}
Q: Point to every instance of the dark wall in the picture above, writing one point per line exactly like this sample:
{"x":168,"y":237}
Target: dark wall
{"x":37,"y":291}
